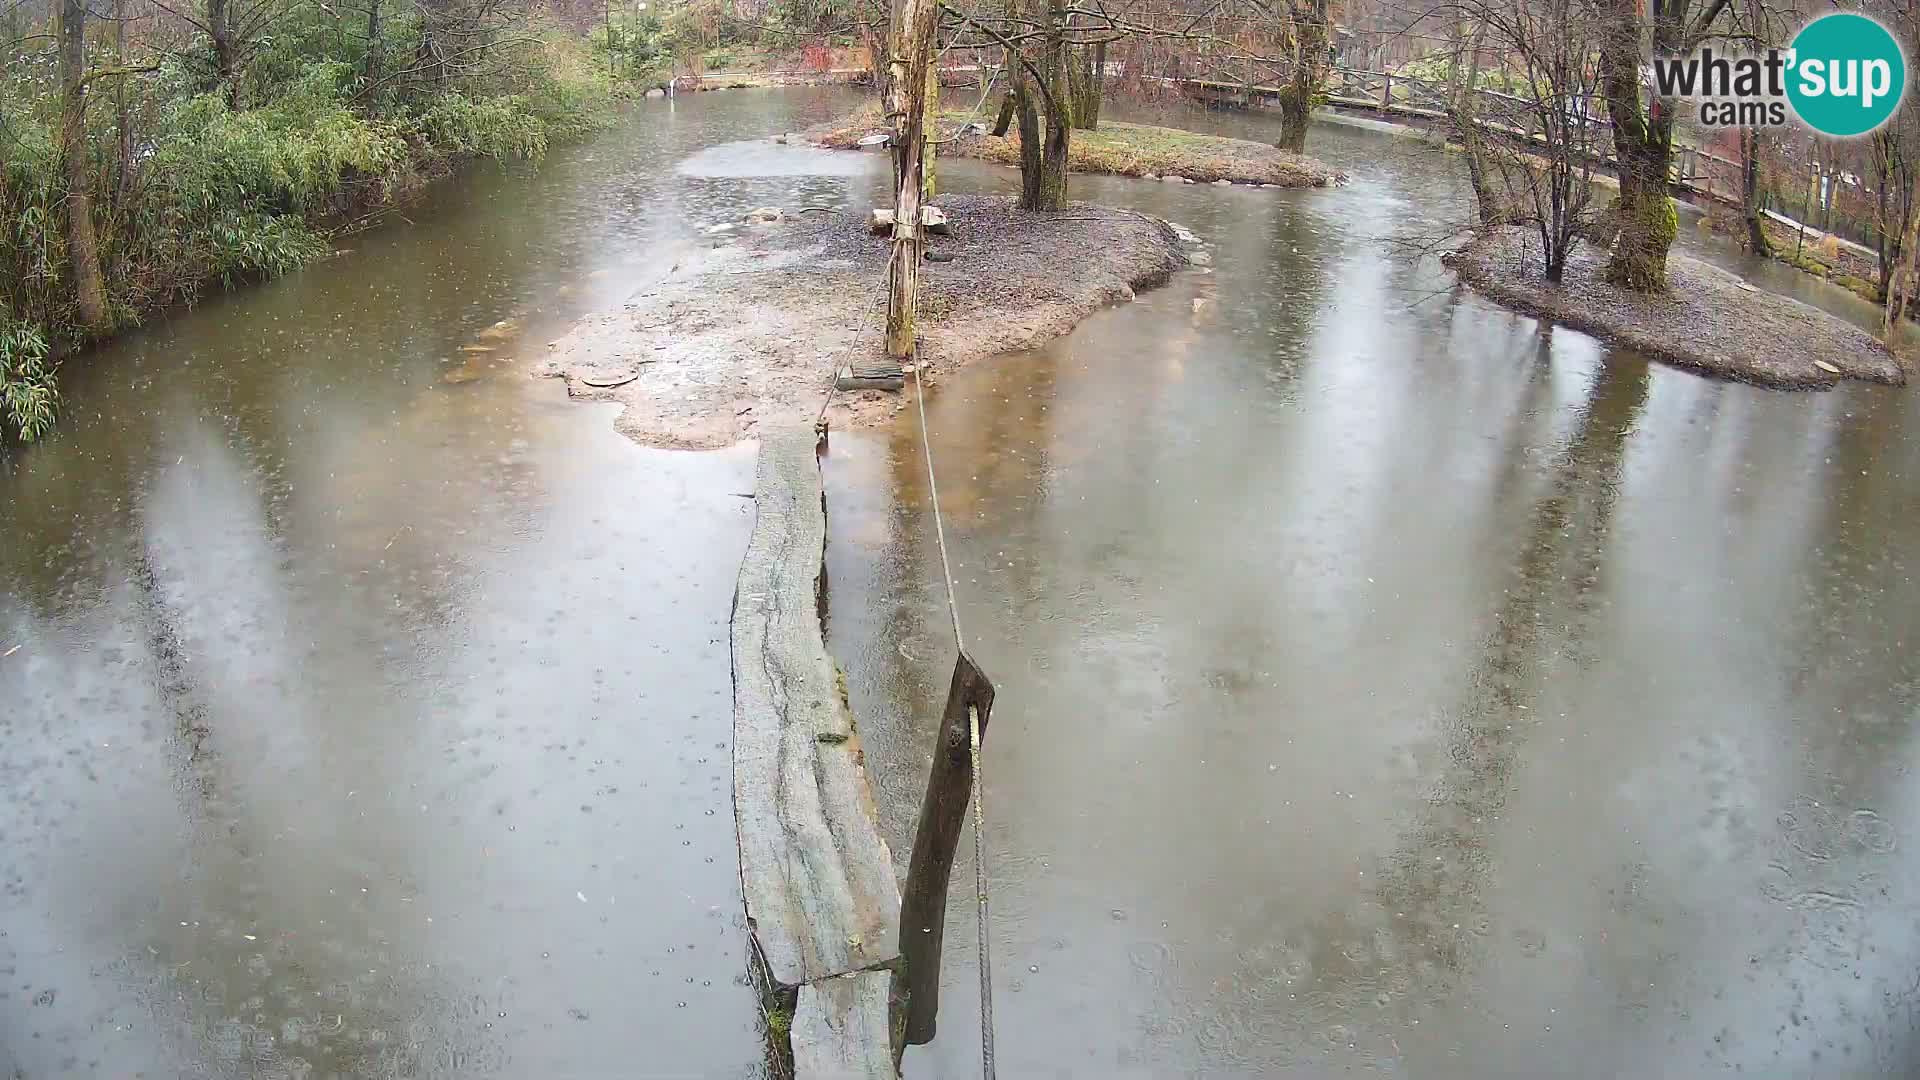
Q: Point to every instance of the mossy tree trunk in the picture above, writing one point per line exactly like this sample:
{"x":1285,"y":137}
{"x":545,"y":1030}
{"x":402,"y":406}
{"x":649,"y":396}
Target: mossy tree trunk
{"x":1310,"y":61}
{"x":83,"y":249}
{"x":1644,"y":214}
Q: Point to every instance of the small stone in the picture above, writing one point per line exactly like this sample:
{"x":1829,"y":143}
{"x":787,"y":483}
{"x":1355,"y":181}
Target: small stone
{"x":1148,"y":176}
{"x":765,"y":215}
{"x":1223,"y":183}
{"x":880,"y":220}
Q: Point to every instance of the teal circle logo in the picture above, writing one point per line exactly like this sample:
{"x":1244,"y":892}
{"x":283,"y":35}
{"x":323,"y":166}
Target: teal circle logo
{"x":1846,"y":74}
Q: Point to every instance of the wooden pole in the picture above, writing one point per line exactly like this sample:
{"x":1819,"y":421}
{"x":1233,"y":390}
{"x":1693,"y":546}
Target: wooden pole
{"x":906,"y":102}
{"x":923,"y":903}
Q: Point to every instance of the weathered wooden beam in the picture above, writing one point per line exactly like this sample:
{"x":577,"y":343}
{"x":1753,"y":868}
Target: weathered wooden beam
{"x":819,"y":884}
{"x":923,"y":906}
{"x":840,"y":1027}
{"x":822,"y":903}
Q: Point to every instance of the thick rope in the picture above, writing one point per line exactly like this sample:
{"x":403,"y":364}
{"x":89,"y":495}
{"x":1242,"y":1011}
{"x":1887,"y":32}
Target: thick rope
{"x":973,"y":735}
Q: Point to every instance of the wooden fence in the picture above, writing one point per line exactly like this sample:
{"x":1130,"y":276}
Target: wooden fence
{"x":1425,"y":101}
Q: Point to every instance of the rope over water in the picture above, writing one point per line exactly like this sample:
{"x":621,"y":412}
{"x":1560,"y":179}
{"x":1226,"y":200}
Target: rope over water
{"x":973,"y":736}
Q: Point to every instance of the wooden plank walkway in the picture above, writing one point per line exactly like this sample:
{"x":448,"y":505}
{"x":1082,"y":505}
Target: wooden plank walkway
{"x":822,"y":902}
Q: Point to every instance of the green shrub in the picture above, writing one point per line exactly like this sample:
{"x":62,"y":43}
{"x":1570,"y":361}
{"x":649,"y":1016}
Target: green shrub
{"x":27,"y":394}
{"x":209,"y":192}
{"x":498,"y":127}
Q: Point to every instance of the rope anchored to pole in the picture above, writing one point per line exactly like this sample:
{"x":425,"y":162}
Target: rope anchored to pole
{"x":954,"y":781}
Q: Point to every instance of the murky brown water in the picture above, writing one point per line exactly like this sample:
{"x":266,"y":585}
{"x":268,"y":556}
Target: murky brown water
{"x":367,"y":704}
{"x":1384,"y":685}
{"x":1387,"y":686}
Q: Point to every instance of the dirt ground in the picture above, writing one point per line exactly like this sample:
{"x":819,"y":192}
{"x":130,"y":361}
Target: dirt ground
{"x":1708,"y":321}
{"x":754,"y":330}
{"x":1114,"y":148}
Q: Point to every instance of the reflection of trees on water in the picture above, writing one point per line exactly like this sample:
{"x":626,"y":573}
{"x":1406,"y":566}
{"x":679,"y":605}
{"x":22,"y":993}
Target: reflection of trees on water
{"x":1409,"y":942}
{"x":284,"y":968}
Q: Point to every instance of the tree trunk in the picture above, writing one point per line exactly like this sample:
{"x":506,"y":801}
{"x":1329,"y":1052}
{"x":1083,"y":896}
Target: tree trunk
{"x":1901,"y":287}
{"x":220,"y":30}
{"x":122,"y":122}
{"x":1043,"y":163}
{"x":928,"y":147}
{"x":1031,"y":140}
{"x":373,"y":42}
{"x":1894,"y":205}
{"x":1750,"y":192}
{"x":1096,"y":90}
{"x":1643,"y":213}
{"x":83,"y":251}
{"x":1085,"y":75}
{"x":1487,"y":199}
{"x":1309,"y":71}
{"x":906,"y":98}
{"x":1004,"y":121}
{"x":876,"y":62}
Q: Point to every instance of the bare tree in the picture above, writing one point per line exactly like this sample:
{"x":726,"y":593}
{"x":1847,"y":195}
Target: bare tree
{"x":1531,"y":148}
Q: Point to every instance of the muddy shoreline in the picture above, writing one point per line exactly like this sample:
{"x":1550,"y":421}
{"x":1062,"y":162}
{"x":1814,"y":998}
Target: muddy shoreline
{"x":751,"y":332}
{"x":1709,"y":321}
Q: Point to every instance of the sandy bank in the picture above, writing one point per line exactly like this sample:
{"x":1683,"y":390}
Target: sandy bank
{"x":752,"y":331}
{"x":1709,"y":320}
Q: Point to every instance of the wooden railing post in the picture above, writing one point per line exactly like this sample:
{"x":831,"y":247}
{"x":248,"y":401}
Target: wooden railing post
{"x":923,"y":903}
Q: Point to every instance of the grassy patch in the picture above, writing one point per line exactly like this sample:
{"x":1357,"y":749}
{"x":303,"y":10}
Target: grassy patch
{"x":1861,"y":287}
{"x":1118,"y":149}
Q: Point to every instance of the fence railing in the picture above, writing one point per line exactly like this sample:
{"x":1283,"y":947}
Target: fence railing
{"x":1693,"y":169}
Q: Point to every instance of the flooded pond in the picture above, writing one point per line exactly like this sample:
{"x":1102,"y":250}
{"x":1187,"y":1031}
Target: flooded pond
{"x":368,"y":708}
{"x":1387,"y":686}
